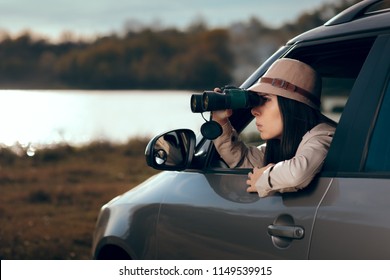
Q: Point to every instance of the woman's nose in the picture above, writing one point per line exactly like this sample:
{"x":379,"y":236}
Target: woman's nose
{"x":255,"y":111}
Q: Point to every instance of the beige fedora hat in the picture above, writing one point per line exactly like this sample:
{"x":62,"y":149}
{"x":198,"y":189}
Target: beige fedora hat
{"x":291,"y":79}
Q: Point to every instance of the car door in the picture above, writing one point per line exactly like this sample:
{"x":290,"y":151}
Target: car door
{"x":353,"y":220}
{"x":211,"y":216}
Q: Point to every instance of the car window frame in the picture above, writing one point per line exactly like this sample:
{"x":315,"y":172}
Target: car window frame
{"x":380,"y":117}
{"x":212,"y":153}
{"x":348,"y":151}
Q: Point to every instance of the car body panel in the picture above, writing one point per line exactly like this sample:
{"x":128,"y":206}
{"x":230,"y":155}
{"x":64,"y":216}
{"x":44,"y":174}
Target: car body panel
{"x":353,"y":221}
{"x":129,"y":221}
{"x":229,"y":222}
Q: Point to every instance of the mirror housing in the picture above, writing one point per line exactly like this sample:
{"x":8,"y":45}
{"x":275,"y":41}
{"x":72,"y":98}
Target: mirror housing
{"x":172,"y":150}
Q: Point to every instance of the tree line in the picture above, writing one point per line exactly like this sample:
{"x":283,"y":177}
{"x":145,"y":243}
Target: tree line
{"x":146,"y":59}
{"x":196,"y":58}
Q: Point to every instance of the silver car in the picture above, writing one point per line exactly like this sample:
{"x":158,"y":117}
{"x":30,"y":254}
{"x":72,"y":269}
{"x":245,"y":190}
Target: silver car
{"x":198,"y":208}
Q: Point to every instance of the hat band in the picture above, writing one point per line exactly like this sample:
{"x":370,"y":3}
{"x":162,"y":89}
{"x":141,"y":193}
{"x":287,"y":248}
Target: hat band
{"x":279,"y":83}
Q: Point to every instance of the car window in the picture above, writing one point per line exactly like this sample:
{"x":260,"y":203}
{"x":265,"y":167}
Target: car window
{"x":339,"y":62}
{"x":378,"y":157}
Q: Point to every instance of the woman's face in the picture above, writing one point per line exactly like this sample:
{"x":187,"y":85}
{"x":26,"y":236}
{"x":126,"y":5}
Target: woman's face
{"x":269,"y":118}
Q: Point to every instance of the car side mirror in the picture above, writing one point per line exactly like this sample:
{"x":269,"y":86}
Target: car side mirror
{"x":172,"y":150}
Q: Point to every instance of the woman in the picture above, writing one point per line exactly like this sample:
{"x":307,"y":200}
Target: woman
{"x":297,"y":135}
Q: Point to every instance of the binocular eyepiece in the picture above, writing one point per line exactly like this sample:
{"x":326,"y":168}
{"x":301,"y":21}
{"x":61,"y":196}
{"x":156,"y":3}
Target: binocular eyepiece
{"x":231,"y":98}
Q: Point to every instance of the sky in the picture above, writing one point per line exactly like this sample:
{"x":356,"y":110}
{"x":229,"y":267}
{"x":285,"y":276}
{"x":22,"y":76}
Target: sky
{"x":93,"y":17}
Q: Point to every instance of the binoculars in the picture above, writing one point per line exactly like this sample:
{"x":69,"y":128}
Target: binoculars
{"x":230,"y":98}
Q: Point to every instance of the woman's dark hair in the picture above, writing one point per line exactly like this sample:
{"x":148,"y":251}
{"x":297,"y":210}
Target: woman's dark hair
{"x":298,"y":118}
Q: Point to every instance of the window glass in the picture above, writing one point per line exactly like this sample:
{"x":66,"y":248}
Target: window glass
{"x":335,"y":92}
{"x":378,"y":158}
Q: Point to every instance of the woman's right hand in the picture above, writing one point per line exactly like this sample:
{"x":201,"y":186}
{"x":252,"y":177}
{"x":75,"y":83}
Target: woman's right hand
{"x":221,"y":116}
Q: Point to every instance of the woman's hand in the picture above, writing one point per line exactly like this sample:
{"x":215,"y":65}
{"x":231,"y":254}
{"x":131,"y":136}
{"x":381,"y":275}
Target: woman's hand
{"x":221,"y":116}
{"x":254,"y":176}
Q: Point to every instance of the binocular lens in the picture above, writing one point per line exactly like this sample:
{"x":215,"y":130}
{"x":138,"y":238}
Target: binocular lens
{"x":196,"y":103}
{"x":205,"y":101}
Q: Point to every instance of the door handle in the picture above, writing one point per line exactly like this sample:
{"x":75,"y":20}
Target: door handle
{"x":293,"y":232}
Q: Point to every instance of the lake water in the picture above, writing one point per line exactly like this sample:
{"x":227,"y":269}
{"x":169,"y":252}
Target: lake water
{"x":44,"y":117}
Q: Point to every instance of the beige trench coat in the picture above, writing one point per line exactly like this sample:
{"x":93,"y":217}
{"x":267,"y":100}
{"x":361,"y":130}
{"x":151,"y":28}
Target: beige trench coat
{"x":285,"y":176}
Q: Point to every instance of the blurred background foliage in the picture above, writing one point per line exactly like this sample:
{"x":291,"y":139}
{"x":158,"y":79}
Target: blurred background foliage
{"x":150,"y":57}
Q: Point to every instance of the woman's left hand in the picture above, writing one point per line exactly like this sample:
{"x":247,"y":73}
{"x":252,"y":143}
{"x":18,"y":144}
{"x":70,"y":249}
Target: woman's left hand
{"x":254,"y":176}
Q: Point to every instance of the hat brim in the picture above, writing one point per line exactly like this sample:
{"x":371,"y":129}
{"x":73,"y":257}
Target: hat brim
{"x":263,"y":88}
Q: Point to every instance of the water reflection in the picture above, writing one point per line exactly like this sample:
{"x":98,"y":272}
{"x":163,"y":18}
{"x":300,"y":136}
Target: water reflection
{"x":42,"y":117}
{"x":35,"y":117}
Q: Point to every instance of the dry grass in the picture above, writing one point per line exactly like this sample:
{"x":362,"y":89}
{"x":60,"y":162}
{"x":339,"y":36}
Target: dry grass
{"x":49,"y":202}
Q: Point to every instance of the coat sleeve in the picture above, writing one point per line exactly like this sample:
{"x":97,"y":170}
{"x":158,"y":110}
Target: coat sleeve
{"x":297,"y":173}
{"x":235,"y":153}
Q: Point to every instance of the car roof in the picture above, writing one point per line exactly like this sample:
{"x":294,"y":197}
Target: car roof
{"x":371,"y":16}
